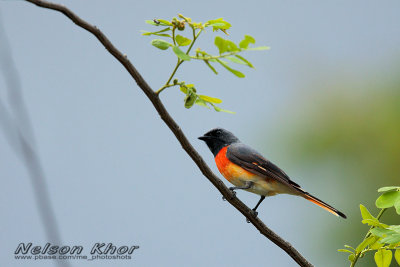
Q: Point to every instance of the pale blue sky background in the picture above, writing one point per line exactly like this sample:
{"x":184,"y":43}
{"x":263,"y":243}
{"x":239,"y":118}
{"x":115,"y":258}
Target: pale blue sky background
{"x":115,"y":171}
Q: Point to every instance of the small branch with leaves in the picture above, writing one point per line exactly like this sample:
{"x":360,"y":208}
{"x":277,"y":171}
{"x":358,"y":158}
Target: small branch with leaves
{"x":381,"y":238}
{"x":175,"y":129}
{"x":226,"y":48}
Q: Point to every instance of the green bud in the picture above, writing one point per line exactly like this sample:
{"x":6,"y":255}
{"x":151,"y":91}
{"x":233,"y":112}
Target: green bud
{"x":190,"y":99}
{"x":181,"y":25}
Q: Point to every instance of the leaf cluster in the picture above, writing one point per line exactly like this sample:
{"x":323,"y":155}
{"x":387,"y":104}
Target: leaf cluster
{"x":228,"y":52}
{"x":381,"y":238}
{"x":192,"y":98}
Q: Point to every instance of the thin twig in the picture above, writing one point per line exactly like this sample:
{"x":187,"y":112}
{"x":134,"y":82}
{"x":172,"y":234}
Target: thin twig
{"x":176,"y":130}
{"x":353,"y":263}
{"x":180,"y":61}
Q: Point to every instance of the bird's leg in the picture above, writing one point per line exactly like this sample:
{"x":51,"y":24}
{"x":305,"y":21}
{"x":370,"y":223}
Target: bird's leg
{"x":247,"y":185}
{"x":258,"y":204}
{"x":255,"y":208}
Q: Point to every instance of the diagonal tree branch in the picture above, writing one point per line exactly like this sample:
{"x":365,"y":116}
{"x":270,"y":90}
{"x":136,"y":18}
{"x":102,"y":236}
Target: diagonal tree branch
{"x":176,"y":130}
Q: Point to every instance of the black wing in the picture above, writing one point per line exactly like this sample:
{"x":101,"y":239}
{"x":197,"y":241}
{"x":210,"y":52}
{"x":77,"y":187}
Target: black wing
{"x":252,"y":161}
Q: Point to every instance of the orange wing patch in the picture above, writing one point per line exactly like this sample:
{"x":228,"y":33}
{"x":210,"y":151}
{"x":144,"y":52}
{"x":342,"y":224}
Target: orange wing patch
{"x":262,"y":168}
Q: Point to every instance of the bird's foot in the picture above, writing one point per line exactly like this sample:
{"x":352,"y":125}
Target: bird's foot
{"x":255,"y":214}
{"x":233,"y":192}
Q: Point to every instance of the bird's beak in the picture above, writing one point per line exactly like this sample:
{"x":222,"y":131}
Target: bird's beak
{"x":205,"y":138}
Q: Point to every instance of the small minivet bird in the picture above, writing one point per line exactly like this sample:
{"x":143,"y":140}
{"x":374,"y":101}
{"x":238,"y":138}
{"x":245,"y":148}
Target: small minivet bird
{"x":247,"y":169}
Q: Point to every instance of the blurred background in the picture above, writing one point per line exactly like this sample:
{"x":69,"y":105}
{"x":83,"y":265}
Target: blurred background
{"x":323,"y":104}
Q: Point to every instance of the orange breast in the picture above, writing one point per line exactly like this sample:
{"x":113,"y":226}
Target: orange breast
{"x":232,"y":172}
{"x":238,"y":176}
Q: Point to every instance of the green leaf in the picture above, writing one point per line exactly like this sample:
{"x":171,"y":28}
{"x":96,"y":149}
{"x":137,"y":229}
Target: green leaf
{"x":245,"y":60}
{"x":236,"y":60}
{"x":220,"y":43}
{"x":388,"y":199}
{"x":391,"y":235}
{"x":380,"y":232}
{"x":258,"y":48}
{"x":225,"y":45}
{"x":202,"y":103}
{"x":365,"y":243}
{"x":395,"y":228}
{"x":388,"y":188}
{"x":158,"y":32}
{"x":211,"y":99}
{"x":161,"y":44}
{"x":164,"y":22}
{"x":388,"y":235}
{"x":182,"y":41}
{"x":374,"y":242}
{"x":393,"y":238}
{"x":162,"y":35}
{"x":397,"y":256}
{"x":397,"y":206}
{"x":374,"y":222}
{"x":216,"y":108}
{"x":365,"y":214}
{"x":347,"y":246}
{"x":219,"y":24}
{"x":187,"y":88}
{"x":246,"y":41}
{"x":231,"y":46}
{"x":235,"y":72}
{"x":351,"y":257}
{"x":151,"y":22}
{"x":159,"y":22}
{"x":184,"y":89}
{"x":383,"y":258}
{"x":377,"y":244}
{"x":180,"y":54}
{"x":210,"y":66}
{"x":345,"y":250}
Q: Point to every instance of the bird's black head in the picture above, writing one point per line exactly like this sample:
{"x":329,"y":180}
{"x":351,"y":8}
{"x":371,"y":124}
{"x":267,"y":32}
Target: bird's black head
{"x":218,"y":138}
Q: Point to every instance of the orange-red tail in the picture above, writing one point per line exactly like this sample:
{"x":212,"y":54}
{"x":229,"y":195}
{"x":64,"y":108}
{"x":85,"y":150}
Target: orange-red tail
{"x":323,"y":205}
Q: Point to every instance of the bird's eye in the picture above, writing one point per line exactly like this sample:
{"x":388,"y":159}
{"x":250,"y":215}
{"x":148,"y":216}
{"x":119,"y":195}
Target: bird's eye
{"x":218,"y":132}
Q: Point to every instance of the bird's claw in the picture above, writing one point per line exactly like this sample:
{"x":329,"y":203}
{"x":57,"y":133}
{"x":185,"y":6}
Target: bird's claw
{"x":233,"y":192}
{"x":255,"y":213}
